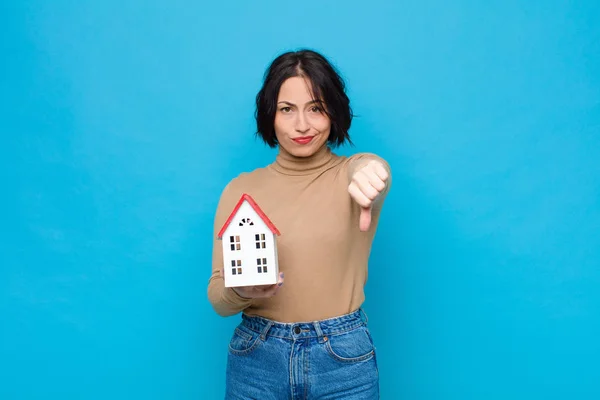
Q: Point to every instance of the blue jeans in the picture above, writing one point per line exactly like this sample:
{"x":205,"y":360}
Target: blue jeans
{"x":328,"y":359}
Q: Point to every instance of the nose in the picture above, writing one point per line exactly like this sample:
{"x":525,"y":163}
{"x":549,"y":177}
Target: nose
{"x":301,"y":124}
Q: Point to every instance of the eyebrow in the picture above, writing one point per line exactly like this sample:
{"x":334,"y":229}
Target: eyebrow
{"x":292,"y":104}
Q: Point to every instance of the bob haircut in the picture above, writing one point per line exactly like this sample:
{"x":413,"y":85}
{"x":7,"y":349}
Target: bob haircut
{"x":328,"y":88}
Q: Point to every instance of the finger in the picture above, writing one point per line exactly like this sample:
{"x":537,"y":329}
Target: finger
{"x":269,"y":287}
{"x":381,"y":171}
{"x":221,"y":274}
{"x":271,"y":290}
{"x":358,"y":195}
{"x":377,"y":181}
{"x":365,"y":219}
{"x":279,"y":284}
{"x":377,"y":174}
{"x":369,"y":183}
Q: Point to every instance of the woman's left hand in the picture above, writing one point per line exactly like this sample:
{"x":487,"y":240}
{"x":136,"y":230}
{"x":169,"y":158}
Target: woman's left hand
{"x":366,"y":185}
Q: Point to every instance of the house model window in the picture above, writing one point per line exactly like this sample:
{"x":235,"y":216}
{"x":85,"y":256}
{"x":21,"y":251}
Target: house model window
{"x":246,"y":221}
{"x":236,"y":267}
{"x":251,"y":239}
{"x":235,"y":243}
{"x":260,"y":241}
{"x":261,"y":265}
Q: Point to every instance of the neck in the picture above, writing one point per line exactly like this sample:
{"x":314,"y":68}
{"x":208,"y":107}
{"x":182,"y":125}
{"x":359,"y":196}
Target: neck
{"x":287,"y":163}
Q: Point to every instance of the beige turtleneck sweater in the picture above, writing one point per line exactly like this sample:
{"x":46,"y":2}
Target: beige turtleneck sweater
{"x":322,"y":252}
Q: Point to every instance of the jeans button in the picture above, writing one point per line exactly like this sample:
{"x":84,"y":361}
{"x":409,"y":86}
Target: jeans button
{"x":297,"y":330}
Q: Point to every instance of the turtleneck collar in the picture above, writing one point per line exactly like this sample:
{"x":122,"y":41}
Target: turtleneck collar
{"x":289,"y":164}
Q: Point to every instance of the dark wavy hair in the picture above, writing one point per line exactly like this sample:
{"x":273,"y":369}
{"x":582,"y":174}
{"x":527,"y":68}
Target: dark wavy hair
{"x":327,"y":86}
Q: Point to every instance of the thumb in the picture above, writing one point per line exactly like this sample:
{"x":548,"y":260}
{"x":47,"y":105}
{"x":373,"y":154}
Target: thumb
{"x":365,"y":218}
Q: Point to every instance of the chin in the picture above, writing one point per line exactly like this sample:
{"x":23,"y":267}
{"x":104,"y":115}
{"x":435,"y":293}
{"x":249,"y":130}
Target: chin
{"x":303,"y":151}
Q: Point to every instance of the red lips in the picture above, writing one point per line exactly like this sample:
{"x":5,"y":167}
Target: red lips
{"x":303,"y":140}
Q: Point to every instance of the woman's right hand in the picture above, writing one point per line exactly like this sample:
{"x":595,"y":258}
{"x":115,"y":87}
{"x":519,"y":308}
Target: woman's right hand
{"x":259,"y":291}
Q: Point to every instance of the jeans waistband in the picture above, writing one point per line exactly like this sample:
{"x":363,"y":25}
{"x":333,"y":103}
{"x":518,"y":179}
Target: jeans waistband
{"x":314,"y":329}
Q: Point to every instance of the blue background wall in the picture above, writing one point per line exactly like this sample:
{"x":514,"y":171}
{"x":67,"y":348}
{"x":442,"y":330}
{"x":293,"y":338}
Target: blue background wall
{"x":122,"y":121}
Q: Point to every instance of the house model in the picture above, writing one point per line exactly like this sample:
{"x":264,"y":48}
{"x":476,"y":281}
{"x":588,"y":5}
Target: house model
{"x":249,"y":246}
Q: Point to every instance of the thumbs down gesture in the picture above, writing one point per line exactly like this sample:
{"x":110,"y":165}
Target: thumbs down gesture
{"x":366,"y":185}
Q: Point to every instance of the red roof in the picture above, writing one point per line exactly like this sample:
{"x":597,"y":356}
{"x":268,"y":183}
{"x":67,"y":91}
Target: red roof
{"x":263,"y":216}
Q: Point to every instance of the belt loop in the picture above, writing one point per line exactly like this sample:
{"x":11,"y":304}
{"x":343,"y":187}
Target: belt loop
{"x":263,"y":334}
{"x":366,"y":320}
{"x":319,"y":331}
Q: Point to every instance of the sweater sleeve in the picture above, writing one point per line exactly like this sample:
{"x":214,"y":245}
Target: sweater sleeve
{"x":225,"y":301}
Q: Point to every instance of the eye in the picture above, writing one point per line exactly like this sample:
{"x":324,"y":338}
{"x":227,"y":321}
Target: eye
{"x":285,"y":109}
{"x":316,"y":109}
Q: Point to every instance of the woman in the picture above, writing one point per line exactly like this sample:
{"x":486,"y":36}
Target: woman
{"x":305,"y":338}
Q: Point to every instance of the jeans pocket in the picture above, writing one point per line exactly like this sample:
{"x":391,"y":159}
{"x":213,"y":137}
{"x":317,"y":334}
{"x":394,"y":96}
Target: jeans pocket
{"x":352,"y":346}
{"x":244,"y":341}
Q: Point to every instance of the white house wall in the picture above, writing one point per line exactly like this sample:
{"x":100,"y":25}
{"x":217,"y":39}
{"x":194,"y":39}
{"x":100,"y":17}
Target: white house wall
{"x":245,"y":211}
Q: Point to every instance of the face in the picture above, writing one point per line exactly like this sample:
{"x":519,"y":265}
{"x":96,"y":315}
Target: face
{"x":301,"y":125}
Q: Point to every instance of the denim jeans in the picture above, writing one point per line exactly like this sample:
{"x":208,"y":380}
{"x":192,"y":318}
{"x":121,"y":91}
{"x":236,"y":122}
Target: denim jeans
{"x":328,"y":359}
